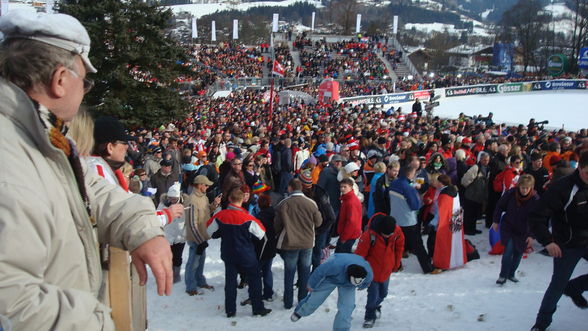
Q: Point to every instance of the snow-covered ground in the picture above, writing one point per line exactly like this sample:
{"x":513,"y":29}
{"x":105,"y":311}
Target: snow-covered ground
{"x":560,"y":108}
{"x":463,"y":299}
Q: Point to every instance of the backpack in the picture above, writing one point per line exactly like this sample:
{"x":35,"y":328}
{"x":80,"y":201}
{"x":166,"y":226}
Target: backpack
{"x":277,"y":161}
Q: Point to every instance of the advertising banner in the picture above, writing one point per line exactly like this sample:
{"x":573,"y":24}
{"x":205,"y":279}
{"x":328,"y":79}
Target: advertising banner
{"x":557,"y":64}
{"x":471,"y":90}
{"x":502,"y":56}
{"x":583,"y":58}
{"x":422,"y":95}
{"x":511,"y":88}
{"x":382,"y":99}
{"x":559,"y":85}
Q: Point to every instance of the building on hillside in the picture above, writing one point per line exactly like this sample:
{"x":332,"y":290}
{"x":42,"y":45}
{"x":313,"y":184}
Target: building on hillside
{"x":420,"y":57}
{"x":465,"y":56}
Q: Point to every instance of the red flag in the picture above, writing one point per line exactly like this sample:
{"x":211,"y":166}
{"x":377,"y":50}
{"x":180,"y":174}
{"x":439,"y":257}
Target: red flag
{"x":278,"y":69}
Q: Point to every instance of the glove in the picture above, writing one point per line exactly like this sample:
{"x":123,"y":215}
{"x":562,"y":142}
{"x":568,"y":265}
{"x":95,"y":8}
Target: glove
{"x":200,"y":248}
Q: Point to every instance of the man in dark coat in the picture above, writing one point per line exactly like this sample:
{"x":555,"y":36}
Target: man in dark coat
{"x":565,"y":206}
{"x":329,"y":183}
{"x":163,"y":179}
{"x":417,"y":107}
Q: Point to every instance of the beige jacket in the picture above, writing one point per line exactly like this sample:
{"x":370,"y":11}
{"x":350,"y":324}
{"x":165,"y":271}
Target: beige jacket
{"x":296,"y":219}
{"x":202,"y":213}
{"x":50,"y":273}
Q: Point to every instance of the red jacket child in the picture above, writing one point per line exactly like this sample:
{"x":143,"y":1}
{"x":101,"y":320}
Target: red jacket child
{"x":350,"y":215}
{"x":382,"y":245}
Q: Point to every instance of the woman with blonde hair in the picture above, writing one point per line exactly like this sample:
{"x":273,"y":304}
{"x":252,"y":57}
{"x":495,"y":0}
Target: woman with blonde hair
{"x":510,"y":217}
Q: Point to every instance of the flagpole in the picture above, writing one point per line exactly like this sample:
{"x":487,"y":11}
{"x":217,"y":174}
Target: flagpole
{"x":271,"y":109}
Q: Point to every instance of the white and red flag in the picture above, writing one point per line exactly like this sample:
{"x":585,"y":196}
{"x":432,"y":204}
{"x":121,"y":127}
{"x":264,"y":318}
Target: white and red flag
{"x":278,"y":69}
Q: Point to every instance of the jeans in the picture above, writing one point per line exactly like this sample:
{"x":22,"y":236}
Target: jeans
{"x":268,"y":278}
{"x":251,"y":269}
{"x":320,"y":242}
{"x":344,"y":246}
{"x":563,"y":268}
{"x":194,"y":274}
{"x":295,"y":260}
{"x":377,"y":292}
{"x":412,"y":235}
{"x":285,"y":178}
{"x":510,"y":260}
{"x":345,"y":303}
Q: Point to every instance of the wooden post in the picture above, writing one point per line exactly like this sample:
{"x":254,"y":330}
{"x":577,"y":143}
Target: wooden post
{"x":120,"y":288}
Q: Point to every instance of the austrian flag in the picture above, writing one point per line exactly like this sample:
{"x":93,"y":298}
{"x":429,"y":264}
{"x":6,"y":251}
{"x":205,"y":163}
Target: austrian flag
{"x":278,"y":69}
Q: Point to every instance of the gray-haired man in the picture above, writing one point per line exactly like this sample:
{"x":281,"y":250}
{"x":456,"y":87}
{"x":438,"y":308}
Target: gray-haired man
{"x":51,"y":209}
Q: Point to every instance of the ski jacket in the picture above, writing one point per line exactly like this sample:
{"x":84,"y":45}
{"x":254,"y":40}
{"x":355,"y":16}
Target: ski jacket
{"x":404,"y":202}
{"x":565,"y":203}
{"x":383,"y":254}
{"x":236,"y":228}
{"x":350,"y":217}
{"x":296,"y":218}
{"x":50,"y":273}
{"x":334,"y":271}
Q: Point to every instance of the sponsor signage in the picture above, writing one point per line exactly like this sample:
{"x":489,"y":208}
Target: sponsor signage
{"x":471,"y":90}
{"x":380,"y":99}
{"x":557,"y":64}
{"x":510,"y":88}
{"x":422,"y":95}
{"x":559,"y":85}
{"x":583,"y":58}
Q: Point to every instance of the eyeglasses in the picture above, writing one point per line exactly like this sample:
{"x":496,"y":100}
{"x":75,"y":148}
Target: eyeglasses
{"x":88,"y":83}
{"x":236,"y":164}
{"x":250,"y":165}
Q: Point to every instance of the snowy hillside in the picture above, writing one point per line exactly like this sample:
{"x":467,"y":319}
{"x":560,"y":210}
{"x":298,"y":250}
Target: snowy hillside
{"x":199,"y":10}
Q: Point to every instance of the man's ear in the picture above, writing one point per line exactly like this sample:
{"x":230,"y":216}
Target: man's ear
{"x":57,"y":87}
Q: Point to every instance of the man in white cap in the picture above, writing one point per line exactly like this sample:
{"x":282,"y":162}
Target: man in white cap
{"x":51,"y":211}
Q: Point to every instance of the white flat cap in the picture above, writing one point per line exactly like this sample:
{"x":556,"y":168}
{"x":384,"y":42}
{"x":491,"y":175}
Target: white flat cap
{"x":59,"y":30}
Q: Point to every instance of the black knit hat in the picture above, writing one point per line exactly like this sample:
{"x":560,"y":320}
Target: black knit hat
{"x":357,"y":271}
{"x":385,"y":225}
{"x":108,"y":130}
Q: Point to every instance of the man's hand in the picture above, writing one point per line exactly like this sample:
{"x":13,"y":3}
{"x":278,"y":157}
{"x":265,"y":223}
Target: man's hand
{"x":176,"y":210}
{"x":529,"y":242}
{"x":553,"y":250}
{"x":157,"y":254}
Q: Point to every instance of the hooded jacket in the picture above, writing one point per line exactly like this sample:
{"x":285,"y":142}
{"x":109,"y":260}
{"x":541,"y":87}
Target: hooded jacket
{"x":50,"y":274}
{"x":383,"y":254}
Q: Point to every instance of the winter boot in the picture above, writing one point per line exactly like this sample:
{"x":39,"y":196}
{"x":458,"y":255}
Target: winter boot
{"x":177,"y":276}
{"x":262,"y":312}
{"x":294,"y":317}
{"x":513,"y":279}
{"x":368,"y":324}
{"x":501,"y":281}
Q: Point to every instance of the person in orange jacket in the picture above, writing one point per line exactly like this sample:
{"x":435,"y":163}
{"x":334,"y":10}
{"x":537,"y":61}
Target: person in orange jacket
{"x":382,"y":245}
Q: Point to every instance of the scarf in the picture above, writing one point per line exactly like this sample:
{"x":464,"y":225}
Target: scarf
{"x":56,"y":130}
{"x":522,"y":199}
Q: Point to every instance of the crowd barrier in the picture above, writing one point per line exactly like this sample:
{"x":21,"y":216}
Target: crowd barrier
{"x":481,"y":89}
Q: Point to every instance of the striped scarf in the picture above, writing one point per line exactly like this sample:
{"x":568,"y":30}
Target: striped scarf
{"x":56,"y":131}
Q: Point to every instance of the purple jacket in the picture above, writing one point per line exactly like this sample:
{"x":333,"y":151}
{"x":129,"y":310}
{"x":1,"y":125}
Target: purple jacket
{"x":514,"y":223}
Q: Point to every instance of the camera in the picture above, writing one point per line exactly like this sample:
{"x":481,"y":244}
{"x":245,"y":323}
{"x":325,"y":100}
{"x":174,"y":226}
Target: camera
{"x":542,"y":122}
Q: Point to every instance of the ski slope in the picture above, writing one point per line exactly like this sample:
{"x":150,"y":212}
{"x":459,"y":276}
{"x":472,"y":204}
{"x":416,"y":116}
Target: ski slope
{"x":567,"y":109}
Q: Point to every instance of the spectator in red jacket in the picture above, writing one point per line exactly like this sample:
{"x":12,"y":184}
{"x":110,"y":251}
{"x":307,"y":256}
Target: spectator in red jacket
{"x":382,"y":245}
{"x":350,"y":214}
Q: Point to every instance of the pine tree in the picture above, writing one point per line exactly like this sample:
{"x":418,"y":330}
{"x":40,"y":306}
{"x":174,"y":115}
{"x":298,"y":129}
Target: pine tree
{"x":137,"y":61}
